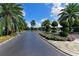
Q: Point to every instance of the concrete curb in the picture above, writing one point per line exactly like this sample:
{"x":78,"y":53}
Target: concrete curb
{"x":54,"y":45}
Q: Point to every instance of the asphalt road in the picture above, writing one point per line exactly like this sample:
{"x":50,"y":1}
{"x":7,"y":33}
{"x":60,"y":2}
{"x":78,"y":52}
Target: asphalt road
{"x":28,"y":44}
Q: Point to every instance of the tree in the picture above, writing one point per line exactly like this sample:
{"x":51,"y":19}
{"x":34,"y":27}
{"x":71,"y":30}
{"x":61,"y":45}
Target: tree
{"x":33,"y":23}
{"x":23,"y":25}
{"x":64,"y":29}
{"x":46,"y":25}
{"x":70,"y":13}
{"x":54,"y":24}
{"x":10,"y":15}
{"x":64,"y":23}
{"x":76,"y":25}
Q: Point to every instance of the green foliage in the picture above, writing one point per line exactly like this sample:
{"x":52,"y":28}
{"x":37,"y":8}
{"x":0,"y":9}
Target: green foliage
{"x":50,"y":36}
{"x":71,"y":22}
{"x":11,"y":17}
{"x":54,"y":29}
{"x":76,"y":25}
{"x":64,"y":23}
{"x":46,"y":25}
{"x":76,"y":29}
{"x":33,"y":23}
{"x":54,"y":23}
{"x":76,"y":22}
{"x":66,"y":29}
{"x":64,"y":34}
{"x":69,"y":16}
{"x":71,"y":11}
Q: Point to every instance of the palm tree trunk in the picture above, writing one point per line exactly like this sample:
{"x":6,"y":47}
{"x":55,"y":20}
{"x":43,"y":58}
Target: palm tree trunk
{"x":6,"y":27}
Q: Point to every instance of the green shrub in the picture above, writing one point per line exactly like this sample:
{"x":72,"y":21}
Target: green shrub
{"x":52,"y":37}
{"x":64,"y":34}
{"x":54,"y":29}
{"x":54,"y":23}
{"x":76,"y":29}
{"x":59,"y":38}
{"x":76,"y":22}
{"x":65,"y":29}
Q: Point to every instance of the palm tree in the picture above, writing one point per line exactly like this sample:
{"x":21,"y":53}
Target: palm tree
{"x":23,"y":25}
{"x":10,"y":14}
{"x":70,"y":13}
{"x":33,"y":23}
{"x":46,"y":25}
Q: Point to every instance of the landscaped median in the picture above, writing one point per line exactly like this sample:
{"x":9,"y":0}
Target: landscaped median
{"x":69,"y":47}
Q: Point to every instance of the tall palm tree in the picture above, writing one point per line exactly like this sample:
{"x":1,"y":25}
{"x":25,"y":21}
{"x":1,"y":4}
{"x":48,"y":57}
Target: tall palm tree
{"x":23,"y":24}
{"x":70,"y":13}
{"x":10,"y":13}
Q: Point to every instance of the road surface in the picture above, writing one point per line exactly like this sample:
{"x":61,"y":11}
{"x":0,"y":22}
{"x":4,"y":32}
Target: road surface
{"x":28,"y":44}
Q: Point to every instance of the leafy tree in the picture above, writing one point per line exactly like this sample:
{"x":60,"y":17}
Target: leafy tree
{"x":46,"y":25}
{"x":76,"y":22}
{"x":76,"y":25}
{"x":33,"y":23}
{"x":54,"y":24}
{"x":64,"y":29}
{"x":64,"y":23}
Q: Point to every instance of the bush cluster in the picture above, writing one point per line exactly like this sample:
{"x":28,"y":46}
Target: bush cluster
{"x":56,"y":37}
{"x":64,"y":29}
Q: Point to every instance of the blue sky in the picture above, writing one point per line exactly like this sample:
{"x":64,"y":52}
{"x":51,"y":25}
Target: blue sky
{"x":41,"y":11}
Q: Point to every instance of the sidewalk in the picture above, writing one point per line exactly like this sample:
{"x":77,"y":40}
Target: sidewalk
{"x":71,"y":48}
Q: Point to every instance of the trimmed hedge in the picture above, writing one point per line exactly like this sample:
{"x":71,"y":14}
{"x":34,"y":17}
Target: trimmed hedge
{"x":64,"y":34}
{"x":56,"y":37}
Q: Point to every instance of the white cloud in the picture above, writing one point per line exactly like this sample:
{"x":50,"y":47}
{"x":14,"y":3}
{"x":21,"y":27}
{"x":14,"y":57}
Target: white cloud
{"x":28,"y":24}
{"x":38,"y":24}
{"x":47,"y":4}
{"x":24,"y":14}
{"x":59,"y":25}
{"x":43,"y":19}
{"x":56,"y":8}
{"x":51,"y":15}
